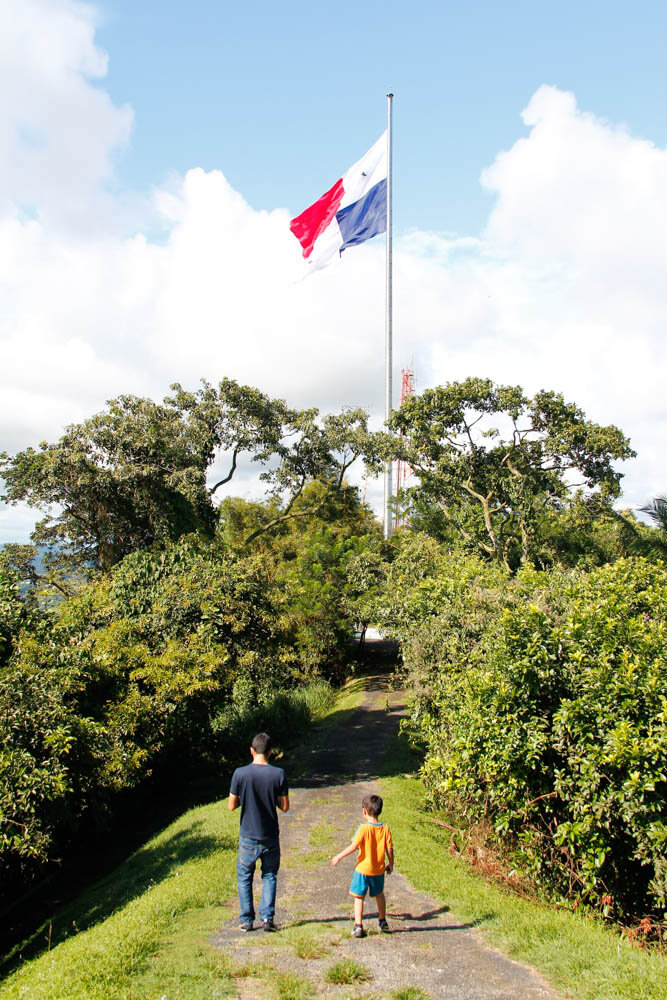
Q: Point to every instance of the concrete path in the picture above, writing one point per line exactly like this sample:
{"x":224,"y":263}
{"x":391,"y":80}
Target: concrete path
{"x":428,"y":949}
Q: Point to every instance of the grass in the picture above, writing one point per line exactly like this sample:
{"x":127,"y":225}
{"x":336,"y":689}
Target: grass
{"x":309,"y":944}
{"x":322,"y":836}
{"x":578,"y":955}
{"x":348,"y":700}
{"x":290,"y":986}
{"x":409,"y":993}
{"x":322,"y":841}
{"x":347,"y":971}
{"x":306,"y":942}
{"x":142,"y":932}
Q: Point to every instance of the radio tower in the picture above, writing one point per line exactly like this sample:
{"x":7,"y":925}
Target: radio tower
{"x":403,"y":470}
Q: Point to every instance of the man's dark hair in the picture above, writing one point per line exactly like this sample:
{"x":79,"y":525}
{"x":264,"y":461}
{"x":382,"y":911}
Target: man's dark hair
{"x":373,"y":805}
{"x":262,"y":744}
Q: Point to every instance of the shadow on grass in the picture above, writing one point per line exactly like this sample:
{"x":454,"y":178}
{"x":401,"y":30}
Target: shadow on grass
{"x":146,"y":868}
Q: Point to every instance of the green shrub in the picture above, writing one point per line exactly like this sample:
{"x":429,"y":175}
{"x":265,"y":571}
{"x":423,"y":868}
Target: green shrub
{"x":553,"y":730}
{"x":36,"y":734}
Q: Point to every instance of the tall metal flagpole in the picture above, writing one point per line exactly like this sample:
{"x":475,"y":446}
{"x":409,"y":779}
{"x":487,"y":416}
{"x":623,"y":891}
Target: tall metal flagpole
{"x":388,"y":332}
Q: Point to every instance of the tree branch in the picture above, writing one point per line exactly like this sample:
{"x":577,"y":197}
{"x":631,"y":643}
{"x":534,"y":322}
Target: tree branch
{"x":285,"y":516}
{"x":231,"y":472}
{"x":466,"y":534}
{"x":484,"y":501}
{"x":53,"y":583}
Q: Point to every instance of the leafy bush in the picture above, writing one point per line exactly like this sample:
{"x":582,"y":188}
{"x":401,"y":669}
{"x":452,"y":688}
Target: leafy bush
{"x":550,"y":725}
{"x":35,"y":738}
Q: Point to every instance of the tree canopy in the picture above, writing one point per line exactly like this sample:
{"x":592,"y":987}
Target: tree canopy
{"x":137,"y":473}
{"x":494,"y":461}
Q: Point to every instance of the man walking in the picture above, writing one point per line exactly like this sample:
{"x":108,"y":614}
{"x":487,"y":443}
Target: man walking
{"x":260,"y":789}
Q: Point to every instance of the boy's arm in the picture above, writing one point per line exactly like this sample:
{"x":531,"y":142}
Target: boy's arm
{"x":343,"y":854}
{"x":389,"y":850}
{"x":233,"y":802}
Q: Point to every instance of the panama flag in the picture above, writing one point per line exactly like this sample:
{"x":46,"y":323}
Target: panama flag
{"x":351,"y":212}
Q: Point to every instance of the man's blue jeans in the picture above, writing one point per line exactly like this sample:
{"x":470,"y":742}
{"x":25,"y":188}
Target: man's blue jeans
{"x":268,"y":855}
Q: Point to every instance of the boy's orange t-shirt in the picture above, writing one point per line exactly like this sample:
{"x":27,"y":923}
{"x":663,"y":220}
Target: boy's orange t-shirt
{"x":373,"y":841}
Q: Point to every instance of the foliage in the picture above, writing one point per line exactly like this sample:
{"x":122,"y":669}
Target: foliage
{"x":136,"y":474}
{"x":426,"y":581}
{"x":657,"y":511}
{"x":494,"y":460}
{"x":571,"y":537}
{"x":321,"y":570}
{"x":36,"y":733}
{"x":287,"y":714}
{"x":12,"y":608}
{"x":120,"y":481}
{"x":541,"y":704}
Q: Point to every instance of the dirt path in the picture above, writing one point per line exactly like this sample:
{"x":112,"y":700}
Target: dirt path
{"x":427,"y":950}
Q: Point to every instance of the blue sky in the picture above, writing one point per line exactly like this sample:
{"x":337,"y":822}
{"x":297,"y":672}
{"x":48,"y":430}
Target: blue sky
{"x":153,"y":153}
{"x":282,"y":96}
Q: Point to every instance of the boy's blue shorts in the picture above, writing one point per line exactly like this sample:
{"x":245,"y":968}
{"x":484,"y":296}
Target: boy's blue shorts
{"x":362,"y":884}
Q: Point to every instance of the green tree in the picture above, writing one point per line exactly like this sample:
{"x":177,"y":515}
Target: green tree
{"x":120,"y":481}
{"x":319,"y":568}
{"x":494,"y":461}
{"x":319,"y":451}
{"x":136,"y":474}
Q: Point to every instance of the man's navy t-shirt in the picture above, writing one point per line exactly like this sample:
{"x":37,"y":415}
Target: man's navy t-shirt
{"x":259,"y":786}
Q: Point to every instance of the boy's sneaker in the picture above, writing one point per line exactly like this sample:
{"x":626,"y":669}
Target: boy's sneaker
{"x":269,"y":925}
{"x":384,"y":927}
{"x":358,"y":931}
{"x":245,"y":927}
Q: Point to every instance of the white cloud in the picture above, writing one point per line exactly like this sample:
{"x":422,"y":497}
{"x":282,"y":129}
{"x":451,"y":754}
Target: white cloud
{"x":565,"y":289}
{"x":58,"y":132}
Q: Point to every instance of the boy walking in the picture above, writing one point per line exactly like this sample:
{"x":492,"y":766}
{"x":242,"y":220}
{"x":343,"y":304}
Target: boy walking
{"x":260,"y":790}
{"x":373,"y":842}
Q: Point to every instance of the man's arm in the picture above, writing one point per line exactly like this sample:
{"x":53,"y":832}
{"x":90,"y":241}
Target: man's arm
{"x":233,"y":802}
{"x":282,"y":803}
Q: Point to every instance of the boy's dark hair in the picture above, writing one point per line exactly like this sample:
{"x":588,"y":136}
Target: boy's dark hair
{"x":373,"y":805}
{"x":261,"y":744}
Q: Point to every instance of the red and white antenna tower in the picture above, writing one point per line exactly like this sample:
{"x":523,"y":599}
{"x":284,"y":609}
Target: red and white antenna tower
{"x":403,"y":470}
